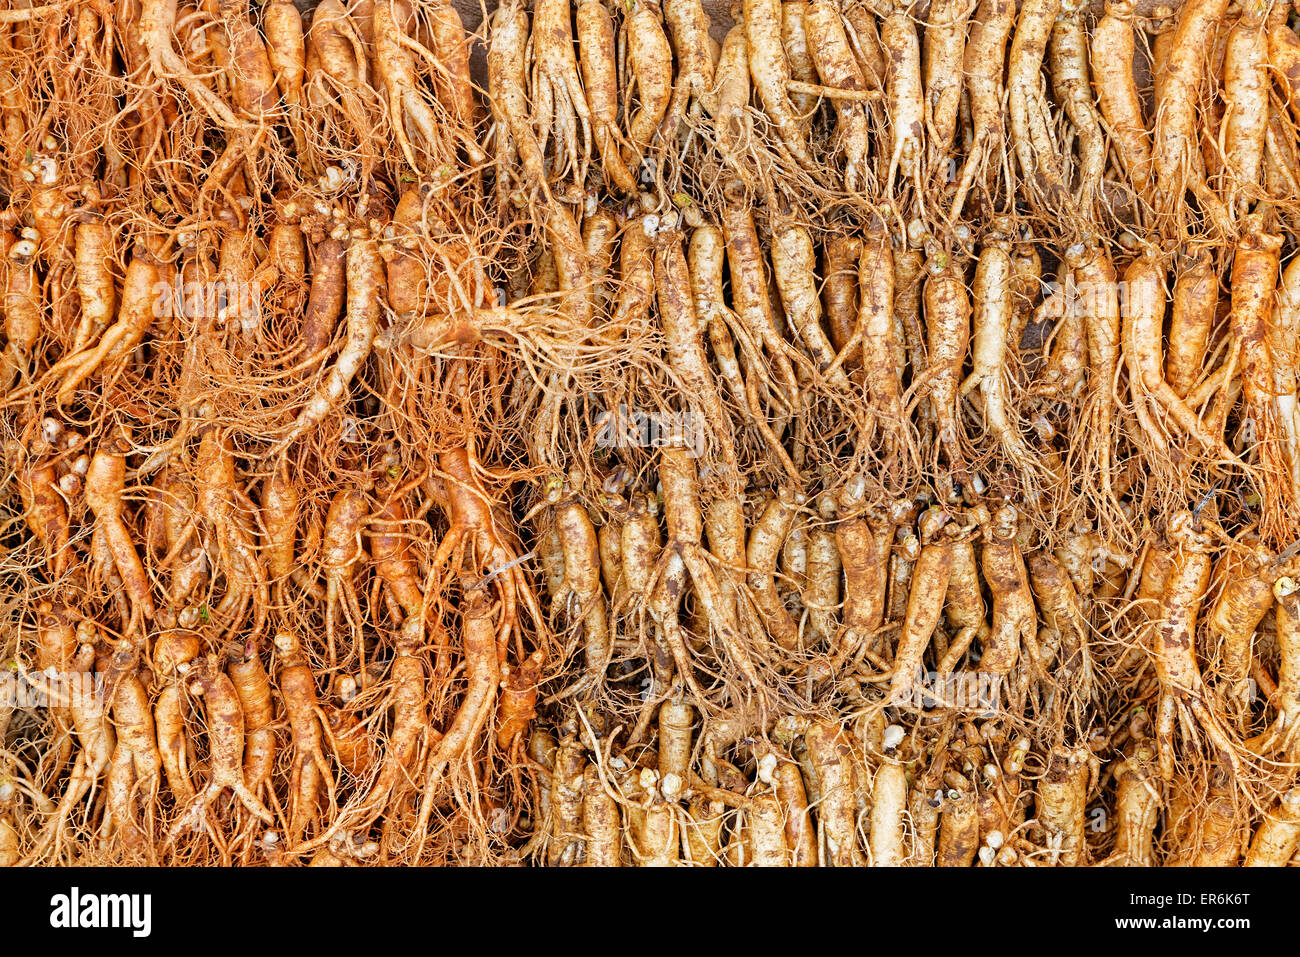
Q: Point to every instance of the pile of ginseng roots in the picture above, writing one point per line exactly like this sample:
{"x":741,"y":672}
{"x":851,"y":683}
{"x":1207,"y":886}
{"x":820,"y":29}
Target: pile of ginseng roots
{"x":815,"y":432}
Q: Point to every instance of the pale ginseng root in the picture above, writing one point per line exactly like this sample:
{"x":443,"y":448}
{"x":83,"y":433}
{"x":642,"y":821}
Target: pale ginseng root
{"x":706,"y":258}
{"x":798,"y":54}
{"x":663,"y":605}
{"x":964,"y":609}
{"x":685,"y":348}
{"x":156,"y":29}
{"x":582,"y":588}
{"x":1254,"y":283}
{"x":945,"y":45}
{"x":22,"y":305}
{"x":1217,"y":824}
{"x":762,"y":550}
{"x":1173,"y":646}
{"x":992,"y":292}
{"x":794,"y":269}
{"x":770,"y":71}
{"x":820,"y":593}
{"x":864,"y":38}
{"x":649,"y":60}
{"x":1284,"y":58}
{"x":1068,"y":59}
{"x":864,"y":544}
{"x":1096,"y":283}
{"x":909,"y":279}
{"x":596,"y":49}
{"x":409,"y":110}
{"x":1067,"y":634}
{"x":1246,"y":91}
{"x":453,"y":83}
{"x":95,"y":741}
{"x":839,"y":274}
{"x":1247,"y":574}
{"x":838,"y":68}
{"x":749,"y":289}
{"x":948,"y":322}
{"x":1111,"y":52}
{"x":728,"y":101}
{"x":1143,"y":316}
{"x":904,"y":98}
{"x":1174,"y":155}
{"x":1275,"y":839}
{"x":889,"y":801}
{"x":1282,"y":736}
{"x":600,"y":822}
{"x":513,"y":134}
{"x":983,"y":61}
{"x":874,"y":331}
{"x":688,"y":25}
{"x":685,"y":526}
{"x":1195,"y":302}
{"x":831,"y":753}
{"x":1037,"y":155}
{"x":959,"y":830}
{"x":800,"y":833}
{"x":1138,"y":805}
{"x":1014,"y":622}
{"x":925,"y":601}
{"x":636,"y":275}
{"x":559,"y":105}
{"x":1060,"y":803}
{"x":286,"y":52}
